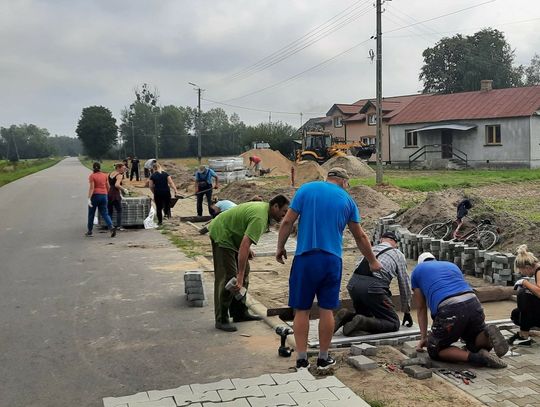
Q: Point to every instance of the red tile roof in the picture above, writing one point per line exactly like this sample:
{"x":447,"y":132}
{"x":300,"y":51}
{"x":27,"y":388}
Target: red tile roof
{"x":496,"y":103}
{"x":358,"y":117}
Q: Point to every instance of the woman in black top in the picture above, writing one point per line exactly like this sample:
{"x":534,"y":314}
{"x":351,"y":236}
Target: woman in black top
{"x":160,"y":185}
{"x":527,"y":313}
{"x":114,"y":201}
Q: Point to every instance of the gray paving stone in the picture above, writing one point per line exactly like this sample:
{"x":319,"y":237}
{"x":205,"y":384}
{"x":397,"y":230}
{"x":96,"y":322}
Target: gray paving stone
{"x":313,"y":396}
{"x":286,"y":388}
{"x":252,"y":391}
{"x":361,"y":362}
{"x":282,"y":378}
{"x":328,"y":381}
{"x":196,"y":297}
{"x":166,"y":402}
{"x":254,"y":381}
{"x":418,"y":372}
{"x":117,"y":401}
{"x":198,"y":303}
{"x":187,"y":400}
{"x":225,"y":384}
{"x":363,"y":349}
{"x":160,"y":394}
{"x":279,"y":400}
{"x":193,"y":276}
{"x":343,"y":393}
{"x":523,"y":391}
{"x":411,"y":353}
{"x":234,"y":403}
{"x":353,"y":402}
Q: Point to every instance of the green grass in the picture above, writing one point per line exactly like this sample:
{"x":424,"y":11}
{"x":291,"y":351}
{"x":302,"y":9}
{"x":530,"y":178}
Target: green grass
{"x":10,"y":172}
{"x":527,"y":207}
{"x":187,"y":246}
{"x":438,"y":180}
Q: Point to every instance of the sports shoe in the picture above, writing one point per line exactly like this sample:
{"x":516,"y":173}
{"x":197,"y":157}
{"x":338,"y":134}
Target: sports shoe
{"x":323,"y":364}
{"x":226,"y":326}
{"x":496,"y":340}
{"x":342,"y":317}
{"x":516,"y":339}
{"x":491,"y":360}
{"x":302,"y":364}
{"x":89,"y":234}
{"x":113,"y":232}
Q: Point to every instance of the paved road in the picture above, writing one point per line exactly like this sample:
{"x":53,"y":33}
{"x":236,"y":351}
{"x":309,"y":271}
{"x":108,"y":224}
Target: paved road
{"x":85,"y":318}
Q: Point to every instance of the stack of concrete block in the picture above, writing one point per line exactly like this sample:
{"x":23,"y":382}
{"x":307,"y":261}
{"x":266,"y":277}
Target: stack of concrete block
{"x":436,"y":247}
{"x":503,"y":268}
{"x":479,"y":264}
{"x":194,"y":289}
{"x":445,"y":251}
{"x":468,"y":260}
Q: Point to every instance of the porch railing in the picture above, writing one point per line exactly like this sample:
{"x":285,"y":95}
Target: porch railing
{"x":459,"y":155}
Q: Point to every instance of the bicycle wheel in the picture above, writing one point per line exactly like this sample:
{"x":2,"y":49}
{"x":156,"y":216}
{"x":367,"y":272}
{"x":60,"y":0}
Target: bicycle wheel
{"x":487,"y":239}
{"x":436,"y":230}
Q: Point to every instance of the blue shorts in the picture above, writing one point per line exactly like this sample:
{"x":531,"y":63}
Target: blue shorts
{"x":315,"y":273}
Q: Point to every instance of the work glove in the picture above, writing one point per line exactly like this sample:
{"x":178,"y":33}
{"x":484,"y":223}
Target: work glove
{"x":407,"y":320}
{"x":90,"y":203}
{"x":519,"y":284}
{"x":125,"y":191}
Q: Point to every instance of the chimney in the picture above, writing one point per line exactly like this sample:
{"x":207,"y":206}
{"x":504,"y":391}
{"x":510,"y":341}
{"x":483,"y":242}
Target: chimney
{"x":486,"y":85}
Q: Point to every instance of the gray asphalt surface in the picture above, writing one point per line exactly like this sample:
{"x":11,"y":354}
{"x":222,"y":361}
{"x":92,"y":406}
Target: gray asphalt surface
{"x":86,"y":318}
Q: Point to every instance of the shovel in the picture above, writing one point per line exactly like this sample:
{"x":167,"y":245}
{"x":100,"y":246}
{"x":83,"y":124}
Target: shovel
{"x":196,"y":193}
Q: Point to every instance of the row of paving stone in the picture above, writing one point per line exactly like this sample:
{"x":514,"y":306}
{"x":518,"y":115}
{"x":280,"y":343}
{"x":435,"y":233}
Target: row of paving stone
{"x":269,"y":390}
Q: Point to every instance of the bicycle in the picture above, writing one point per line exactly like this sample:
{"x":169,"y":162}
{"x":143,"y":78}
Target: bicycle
{"x":484,"y":235}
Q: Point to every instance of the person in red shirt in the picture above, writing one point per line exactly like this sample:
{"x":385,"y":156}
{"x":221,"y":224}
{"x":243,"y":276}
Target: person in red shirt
{"x":256,"y":162}
{"x":97,"y":199}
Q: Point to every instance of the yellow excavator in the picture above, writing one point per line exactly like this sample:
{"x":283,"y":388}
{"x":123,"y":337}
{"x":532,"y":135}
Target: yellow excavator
{"x":320,"y":146}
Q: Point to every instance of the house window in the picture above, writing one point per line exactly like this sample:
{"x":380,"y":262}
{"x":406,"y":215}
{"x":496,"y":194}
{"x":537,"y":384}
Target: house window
{"x":493,"y":134}
{"x":338,"y":121}
{"x":372,"y":120}
{"x":368,"y":140}
{"x":411,"y":138}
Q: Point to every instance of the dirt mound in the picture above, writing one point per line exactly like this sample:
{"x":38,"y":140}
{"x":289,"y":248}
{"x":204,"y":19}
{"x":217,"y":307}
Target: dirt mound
{"x":270,"y":159}
{"x":438,"y":207}
{"x":182,"y":176}
{"x":244,"y":191}
{"x":307,"y":171}
{"x":355,"y":167}
{"x":372,"y":204}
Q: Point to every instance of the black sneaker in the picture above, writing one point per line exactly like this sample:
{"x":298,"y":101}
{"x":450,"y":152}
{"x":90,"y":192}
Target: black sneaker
{"x":302,"y":364}
{"x":89,"y":234}
{"x":516,"y":339}
{"x":113,"y":232}
{"x":323,"y":364}
{"x":496,"y":340}
{"x":491,"y":360}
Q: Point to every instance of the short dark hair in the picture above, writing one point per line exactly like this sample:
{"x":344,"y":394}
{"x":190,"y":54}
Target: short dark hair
{"x":280,"y":200}
{"x":96,"y":167}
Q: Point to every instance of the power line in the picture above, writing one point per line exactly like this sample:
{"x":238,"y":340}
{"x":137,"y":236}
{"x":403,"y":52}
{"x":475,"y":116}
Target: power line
{"x":257,"y":110}
{"x":300,"y":42}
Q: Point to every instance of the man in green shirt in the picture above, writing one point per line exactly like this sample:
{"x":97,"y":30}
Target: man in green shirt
{"x":232,"y":233}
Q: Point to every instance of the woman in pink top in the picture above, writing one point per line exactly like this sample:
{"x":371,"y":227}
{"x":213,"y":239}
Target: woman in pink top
{"x":97,"y":199}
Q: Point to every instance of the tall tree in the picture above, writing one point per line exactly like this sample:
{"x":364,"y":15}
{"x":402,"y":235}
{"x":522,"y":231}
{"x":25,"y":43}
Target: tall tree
{"x":26,"y":141}
{"x":64,"y":145}
{"x":458,"y":64}
{"x":175,"y":124}
{"x":97,"y":130}
{"x":532,"y":72}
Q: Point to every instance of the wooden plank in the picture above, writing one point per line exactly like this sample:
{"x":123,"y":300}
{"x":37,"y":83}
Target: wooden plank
{"x":195,"y":218}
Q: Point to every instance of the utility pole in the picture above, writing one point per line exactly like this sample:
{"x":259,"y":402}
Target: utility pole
{"x":379,"y":169}
{"x":199,"y":145}
{"x":301,"y":119}
{"x":156,"y":133}
{"x":133,"y":137}
{"x":269,"y":117}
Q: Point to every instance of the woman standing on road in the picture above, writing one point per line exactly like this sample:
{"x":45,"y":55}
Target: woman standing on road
{"x":114,"y":196}
{"x":160,"y":185}
{"x":527,"y":313}
{"x":97,"y":199}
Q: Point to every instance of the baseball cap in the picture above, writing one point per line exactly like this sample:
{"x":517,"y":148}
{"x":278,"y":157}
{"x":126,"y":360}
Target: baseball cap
{"x":338,"y":172}
{"x":390,"y":235}
{"x":426,"y":256}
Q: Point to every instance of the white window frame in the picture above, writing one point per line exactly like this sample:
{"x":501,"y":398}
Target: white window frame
{"x":338,"y":121}
{"x":372,"y":119}
{"x":414,"y":135}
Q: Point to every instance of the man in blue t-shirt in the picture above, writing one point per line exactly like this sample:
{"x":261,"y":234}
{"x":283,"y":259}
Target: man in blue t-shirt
{"x":324,"y":209}
{"x":456,"y":313}
{"x":203,"y":187}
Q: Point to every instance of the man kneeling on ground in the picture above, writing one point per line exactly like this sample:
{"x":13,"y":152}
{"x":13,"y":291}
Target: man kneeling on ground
{"x":371,"y":296}
{"x":456,"y":313}
{"x":232,"y":233}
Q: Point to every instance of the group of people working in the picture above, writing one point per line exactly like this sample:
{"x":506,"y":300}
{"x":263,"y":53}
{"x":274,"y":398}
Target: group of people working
{"x":316,"y":271}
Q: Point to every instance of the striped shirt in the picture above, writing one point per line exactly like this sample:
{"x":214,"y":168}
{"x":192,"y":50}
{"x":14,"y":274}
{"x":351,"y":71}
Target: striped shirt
{"x":394,"y":266}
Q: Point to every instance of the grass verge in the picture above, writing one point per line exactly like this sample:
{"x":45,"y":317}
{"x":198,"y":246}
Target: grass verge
{"x":10,"y":172}
{"x":438,"y":180}
{"x":187,"y":246}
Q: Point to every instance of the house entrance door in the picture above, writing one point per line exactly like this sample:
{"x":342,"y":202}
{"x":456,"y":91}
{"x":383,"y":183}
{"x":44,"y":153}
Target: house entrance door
{"x":446,"y":142}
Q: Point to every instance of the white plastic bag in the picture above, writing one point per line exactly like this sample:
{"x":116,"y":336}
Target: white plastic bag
{"x":96,"y":220}
{"x":149,"y":221}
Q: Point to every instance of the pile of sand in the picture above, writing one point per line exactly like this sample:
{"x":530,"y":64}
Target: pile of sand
{"x":270,"y":159}
{"x":438,"y":207}
{"x":353,"y":165}
{"x":372,"y":204}
{"x":307,"y":171}
{"x":181,"y":175}
{"x":244,"y":191}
